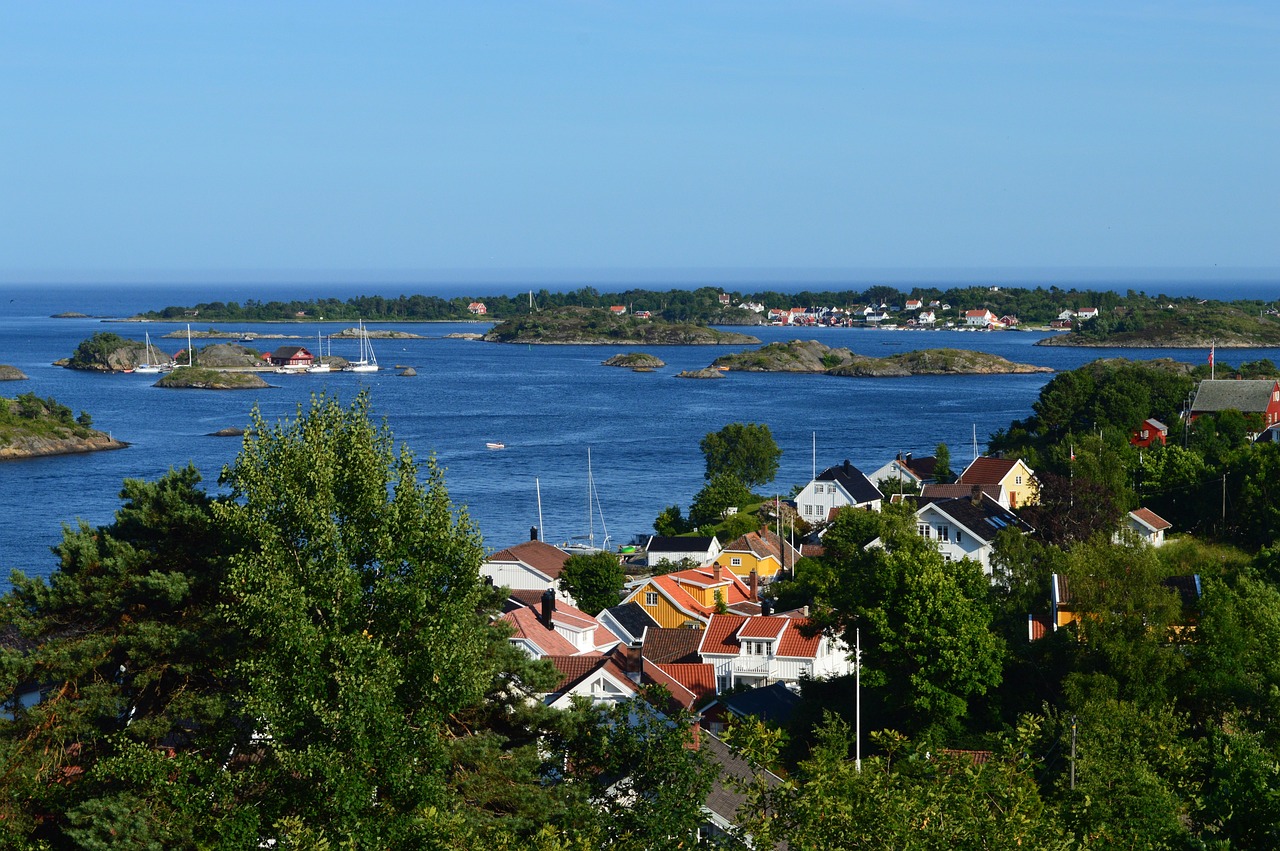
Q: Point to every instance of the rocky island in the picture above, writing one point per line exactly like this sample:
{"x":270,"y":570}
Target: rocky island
{"x":31,"y":427}
{"x":199,"y":378}
{"x":810,"y":356}
{"x":11,"y":373}
{"x":636,"y":362}
{"x":107,"y":352}
{"x":589,"y":326}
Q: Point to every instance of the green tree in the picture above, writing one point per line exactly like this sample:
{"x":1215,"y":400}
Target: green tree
{"x":594,"y":581}
{"x":126,"y":640}
{"x":360,"y":592}
{"x":942,"y":468}
{"x":723,"y":492}
{"x":640,"y":770}
{"x":746,"y":451}
{"x":670,"y":521}
{"x":926,"y":625}
{"x":84,"y":419}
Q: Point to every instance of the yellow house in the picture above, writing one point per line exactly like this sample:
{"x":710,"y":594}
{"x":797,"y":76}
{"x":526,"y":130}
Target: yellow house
{"x":760,"y":551}
{"x":688,"y":597}
{"x":1017,"y":482}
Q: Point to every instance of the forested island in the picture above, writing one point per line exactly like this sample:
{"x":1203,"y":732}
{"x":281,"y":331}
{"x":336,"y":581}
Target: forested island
{"x":1184,"y":324}
{"x":31,"y":427}
{"x":810,"y":356}
{"x":1032,"y":306}
{"x":590,"y":326}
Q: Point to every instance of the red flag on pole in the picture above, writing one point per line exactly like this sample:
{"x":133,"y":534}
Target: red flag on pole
{"x":1211,"y":356}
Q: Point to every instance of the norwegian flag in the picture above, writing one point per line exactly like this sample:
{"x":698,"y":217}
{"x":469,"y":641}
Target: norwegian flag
{"x":1211,"y":356}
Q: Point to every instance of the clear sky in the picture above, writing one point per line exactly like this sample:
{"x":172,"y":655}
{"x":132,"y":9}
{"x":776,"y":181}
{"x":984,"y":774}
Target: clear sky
{"x":147,"y":141}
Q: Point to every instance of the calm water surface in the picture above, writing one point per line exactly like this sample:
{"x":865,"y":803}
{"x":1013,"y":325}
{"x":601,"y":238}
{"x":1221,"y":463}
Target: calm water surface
{"x":547,"y":403}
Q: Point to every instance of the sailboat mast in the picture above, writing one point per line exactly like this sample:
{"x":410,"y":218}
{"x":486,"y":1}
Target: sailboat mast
{"x":190,"y":358}
{"x":542,"y":534}
{"x":591,"y":529}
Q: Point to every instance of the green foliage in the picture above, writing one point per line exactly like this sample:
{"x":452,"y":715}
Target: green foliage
{"x":127,"y":640}
{"x":670,"y":522}
{"x":745,"y":451}
{"x":722,"y":492}
{"x":95,"y":351}
{"x":903,"y":799}
{"x":84,"y":419}
{"x":637,"y":768}
{"x":942,"y":471}
{"x":926,"y":625}
{"x":594,"y":581}
{"x":360,"y":591}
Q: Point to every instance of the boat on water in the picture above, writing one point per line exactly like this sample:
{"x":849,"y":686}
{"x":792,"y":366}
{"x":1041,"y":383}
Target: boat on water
{"x":495,"y":444}
{"x":586,"y":544}
{"x":319,"y":365}
{"x":149,"y":366}
{"x":367,"y":361}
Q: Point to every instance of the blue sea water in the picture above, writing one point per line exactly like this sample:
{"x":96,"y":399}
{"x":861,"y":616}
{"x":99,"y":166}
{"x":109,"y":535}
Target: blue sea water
{"x":549,"y":404}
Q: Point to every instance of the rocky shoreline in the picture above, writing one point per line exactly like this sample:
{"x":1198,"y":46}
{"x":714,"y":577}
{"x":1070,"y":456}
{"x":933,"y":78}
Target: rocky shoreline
{"x":810,"y":356}
{"x":31,"y":446}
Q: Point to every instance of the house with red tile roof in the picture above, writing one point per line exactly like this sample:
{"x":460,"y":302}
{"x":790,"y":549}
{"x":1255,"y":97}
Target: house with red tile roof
{"x":531,"y":566}
{"x":1017,"y":481}
{"x":689,"y":597}
{"x":618,"y":309}
{"x":555,"y":628}
{"x":477,"y":308}
{"x":600,"y":679}
{"x":1146,"y":526}
{"x":980,"y":318}
{"x":770,"y":648}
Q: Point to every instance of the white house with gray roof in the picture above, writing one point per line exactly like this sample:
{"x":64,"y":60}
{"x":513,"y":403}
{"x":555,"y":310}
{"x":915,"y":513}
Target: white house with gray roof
{"x":836,"y":487}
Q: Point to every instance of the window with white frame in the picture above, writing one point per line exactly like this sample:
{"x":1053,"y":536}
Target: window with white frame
{"x":651,"y":598}
{"x":924,"y":530}
{"x":944,"y":532}
{"x":735,"y":561}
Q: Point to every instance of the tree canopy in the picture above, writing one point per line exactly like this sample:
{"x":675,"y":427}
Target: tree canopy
{"x":746,"y":451}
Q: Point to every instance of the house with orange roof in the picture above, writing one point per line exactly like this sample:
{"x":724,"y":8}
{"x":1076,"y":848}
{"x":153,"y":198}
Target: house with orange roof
{"x":689,"y":597}
{"x":980,"y":318}
{"x":531,"y":566}
{"x":557,"y":629}
{"x":769,"y":648}
{"x":617,"y":309}
{"x":1016,"y":480}
{"x":477,"y":308}
{"x":762,"y":552}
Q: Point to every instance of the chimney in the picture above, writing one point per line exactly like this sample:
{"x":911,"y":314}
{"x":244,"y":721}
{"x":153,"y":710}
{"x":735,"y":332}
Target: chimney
{"x":533,"y":533}
{"x":847,"y":466}
{"x":755,"y":584}
{"x":633,"y":661}
{"x":975,"y":495}
{"x":717,"y":571}
{"x":766,"y":607}
{"x":548,"y":607}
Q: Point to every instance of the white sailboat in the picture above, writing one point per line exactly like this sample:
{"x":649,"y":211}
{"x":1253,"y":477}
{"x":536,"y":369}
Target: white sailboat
{"x":593,"y":505}
{"x":149,"y":366}
{"x":367,"y":362}
{"x":319,"y":365}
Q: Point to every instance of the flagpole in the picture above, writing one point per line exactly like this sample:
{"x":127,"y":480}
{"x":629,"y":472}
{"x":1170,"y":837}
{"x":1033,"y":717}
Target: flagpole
{"x":857,"y":688}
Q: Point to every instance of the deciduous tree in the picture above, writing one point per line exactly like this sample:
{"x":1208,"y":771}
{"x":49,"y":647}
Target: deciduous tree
{"x":746,"y":451}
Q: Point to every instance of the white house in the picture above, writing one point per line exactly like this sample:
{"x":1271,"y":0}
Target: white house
{"x":926,"y":317}
{"x":905,"y":468}
{"x":979,"y":318}
{"x":766,"y":649}
{"x":836,"y":487}
{"x":1086,"y":313}
{"x":531,"y":566}
{"x":663,"y":549}
{"x":963,"y":527}
{"x":1146,"y":525}
{"x":913,"y":304}
{"x":601,"y":679}
{"x":557,"y":629}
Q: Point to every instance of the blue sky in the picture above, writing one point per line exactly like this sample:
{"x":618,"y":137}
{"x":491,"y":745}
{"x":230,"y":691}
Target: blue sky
{"x":152,"y":141}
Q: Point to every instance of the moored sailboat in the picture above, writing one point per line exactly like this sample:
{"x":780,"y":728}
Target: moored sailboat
{"x":367,"y":362}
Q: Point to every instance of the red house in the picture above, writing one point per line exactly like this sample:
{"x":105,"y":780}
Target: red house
{"x":1255,"y":396}
{"x":292,"y":356}
{"x":1151,"y":431}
